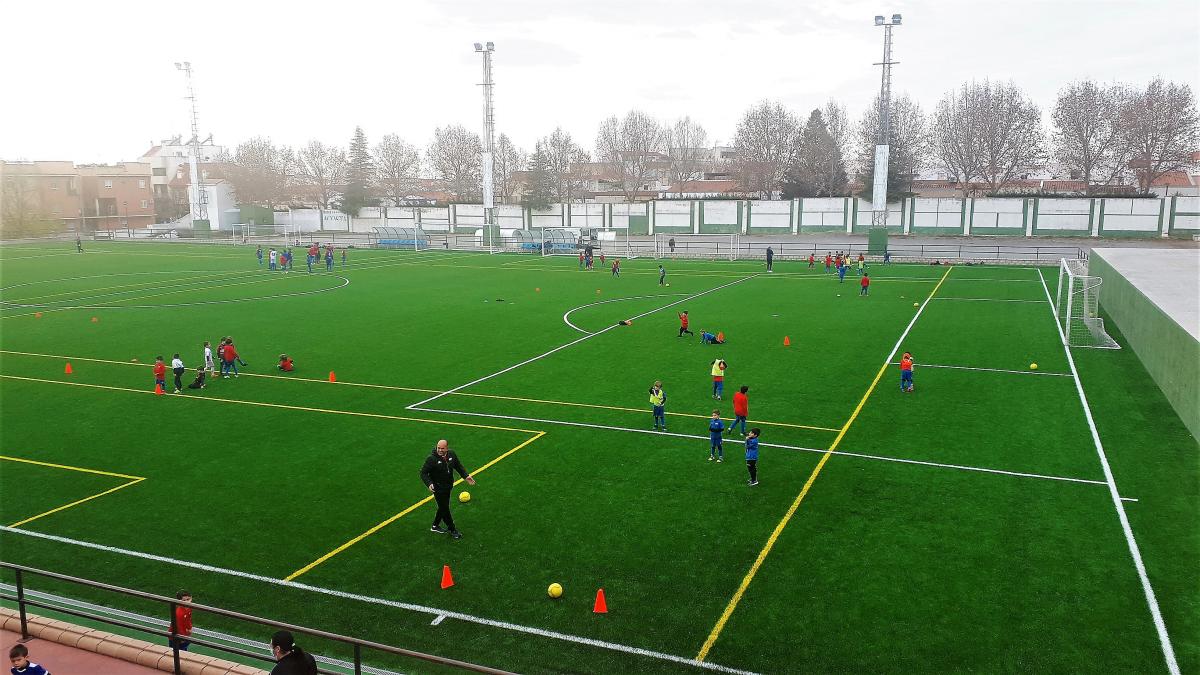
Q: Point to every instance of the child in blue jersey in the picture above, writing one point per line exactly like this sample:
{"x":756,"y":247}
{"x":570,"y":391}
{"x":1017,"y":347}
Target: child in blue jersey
{"x":18,"y":656}
{"x":329,"y":259}
{"x":715,"y":427}
{"x":752,"y":456}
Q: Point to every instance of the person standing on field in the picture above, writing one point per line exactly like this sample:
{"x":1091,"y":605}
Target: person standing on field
{"x":178,"y":369}
{"x":658,"y":399}
{"x":741,"y":408}
{"x":438,"y":475}
{"x":683,"y":324}
{"x":662,"y":275}
{"x":752,"y":456}
{"x":718,"y":376}
{"x":770,"y":258}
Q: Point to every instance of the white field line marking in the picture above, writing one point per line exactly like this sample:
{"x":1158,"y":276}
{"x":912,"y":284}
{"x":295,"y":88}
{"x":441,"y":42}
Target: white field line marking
{"x":1160,"y":625}
{"x":163,"y":624}
{"x":881,"y":458}
{"x":605,"y":302}
{"x":183,"y":285}
{"x":987,"y":370}
{"x":528,"y":630}
{"x":987,"y":300}
{"x":437,"y":619}
{"x":42,"y":298}
{"x":575,"y":342}
{"x":1002,"y":281}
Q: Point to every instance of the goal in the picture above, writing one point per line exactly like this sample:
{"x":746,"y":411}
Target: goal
{"x":1077,"y":307}
{"x":707,"y":246}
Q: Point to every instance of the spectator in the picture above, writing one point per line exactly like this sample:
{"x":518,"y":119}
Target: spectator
{"x":18,"y":656}
{"x":290,"y":658}
{"x":183,"y":622}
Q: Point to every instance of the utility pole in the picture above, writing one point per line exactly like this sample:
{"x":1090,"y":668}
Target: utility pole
{"x":879,"y":185}
{"x":489,"y":128}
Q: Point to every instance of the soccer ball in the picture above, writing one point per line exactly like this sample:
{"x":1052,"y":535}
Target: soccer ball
{"x":464,"y":496}
{"x":916,"y":304}
{"x":554,"y":591}
{"x":1033,"y":366}
{"x":668,"y":284}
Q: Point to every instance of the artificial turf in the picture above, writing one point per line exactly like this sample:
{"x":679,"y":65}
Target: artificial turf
{"x":884,"y":566}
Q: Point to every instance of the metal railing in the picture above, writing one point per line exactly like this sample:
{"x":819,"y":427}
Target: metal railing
{"x":174,"y":637}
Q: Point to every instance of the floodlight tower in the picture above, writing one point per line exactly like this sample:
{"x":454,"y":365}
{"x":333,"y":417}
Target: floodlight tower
{"x":489,"y":128}
{"x":879,"y":185}
{"x":199,"y":200}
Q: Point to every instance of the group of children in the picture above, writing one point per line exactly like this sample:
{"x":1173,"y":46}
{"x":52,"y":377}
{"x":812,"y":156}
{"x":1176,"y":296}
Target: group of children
{"x":716,"y":426}
{"x":586,"y":262}
{"x":282,"y":259}
{"x":230,"y":359}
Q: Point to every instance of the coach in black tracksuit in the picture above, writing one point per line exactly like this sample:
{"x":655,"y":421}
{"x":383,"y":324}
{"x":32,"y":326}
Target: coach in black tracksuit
{"x":438,"y":475}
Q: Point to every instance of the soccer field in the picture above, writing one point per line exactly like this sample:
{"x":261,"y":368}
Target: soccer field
{"x":967,"y":526}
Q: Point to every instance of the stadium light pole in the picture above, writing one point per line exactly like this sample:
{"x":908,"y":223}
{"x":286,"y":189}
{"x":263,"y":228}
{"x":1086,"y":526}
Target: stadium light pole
{"x":489,"y":127}
{"x":879,"y":185}
{"x":199,"y":200}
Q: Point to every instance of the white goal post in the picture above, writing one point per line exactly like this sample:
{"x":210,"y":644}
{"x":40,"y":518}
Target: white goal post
{"x":1077,"y":306}
{"x":705,"y":246}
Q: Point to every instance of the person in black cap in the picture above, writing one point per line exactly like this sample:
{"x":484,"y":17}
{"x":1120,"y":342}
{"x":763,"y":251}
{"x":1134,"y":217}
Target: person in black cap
{"x":438,"y":475}
{"x":291,"y":659}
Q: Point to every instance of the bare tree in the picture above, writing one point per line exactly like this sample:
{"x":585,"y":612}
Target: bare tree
{"x":633,"y":147}
{"x":455,"y":156}
{"x":509,"y":159}
{"x":989,"y":131}
{"x":563,"y":160}
{"x":1089,"y":137}
{"x":909,"y":142}
{"x":260,"y":171}
{"x":321,"y":170}
{"x":765,"y":142}
{"x":1162,"y":129}
{"x":687,"y":147}
{"x":21,"y":211}
{"x":837,"y":123}
{"x":397,"y":168}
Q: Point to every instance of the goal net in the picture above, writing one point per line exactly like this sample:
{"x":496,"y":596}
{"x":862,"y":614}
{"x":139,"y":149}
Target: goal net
{"x":705,"y":246}
{"x":1077,"y":306}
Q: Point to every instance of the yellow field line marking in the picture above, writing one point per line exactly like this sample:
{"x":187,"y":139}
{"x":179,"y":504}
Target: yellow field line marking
{"x":425,"y":391}
{"x":766,"y":549}
{"x":272,"y":405}
{"x":133,"y":480}
{"x":71,"y":468}
{"x":77,"y":502}
{"x":307,"y":568}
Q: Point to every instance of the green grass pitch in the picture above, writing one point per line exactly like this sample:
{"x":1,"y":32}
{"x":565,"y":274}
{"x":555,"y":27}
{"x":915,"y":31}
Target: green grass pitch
{"x":967,"y":526}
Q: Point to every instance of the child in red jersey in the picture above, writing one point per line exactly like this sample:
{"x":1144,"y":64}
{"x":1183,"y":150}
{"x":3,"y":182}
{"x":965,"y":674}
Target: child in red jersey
{"x":160,"y":373}
{"x":906,"y":368}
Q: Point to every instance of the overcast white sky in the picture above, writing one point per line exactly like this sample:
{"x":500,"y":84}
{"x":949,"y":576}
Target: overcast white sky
{"x":95,"y":81}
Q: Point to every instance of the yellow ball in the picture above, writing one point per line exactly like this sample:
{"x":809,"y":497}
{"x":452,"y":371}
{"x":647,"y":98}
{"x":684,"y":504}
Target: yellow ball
{"x":1033,"y":366}
{"x":464,"y":496}
{"x":554,"y":591}
{"x":916,"y":304}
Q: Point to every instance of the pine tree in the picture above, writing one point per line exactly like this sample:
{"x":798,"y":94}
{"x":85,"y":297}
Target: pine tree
{"x":819,"y":169}
{"x":540,"y":193}
{"x":359,"y":175}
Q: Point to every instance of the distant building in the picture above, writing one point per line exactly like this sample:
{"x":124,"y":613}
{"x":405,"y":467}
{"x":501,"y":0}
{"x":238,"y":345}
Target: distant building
{"x":165,"y":160}
{"x":86,"y":197}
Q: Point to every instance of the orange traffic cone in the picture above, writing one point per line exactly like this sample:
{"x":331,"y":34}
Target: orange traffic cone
{"x":787,"y":341}
{"x":68,"y":370}
{"x":601,"y":606}
{"x":37,"y":315}
{"x":158,"y":389}
{"x":332,"y":377}
{"x":447,"y":580}
{"x":538,"y":290}
{"x":95,"y":319}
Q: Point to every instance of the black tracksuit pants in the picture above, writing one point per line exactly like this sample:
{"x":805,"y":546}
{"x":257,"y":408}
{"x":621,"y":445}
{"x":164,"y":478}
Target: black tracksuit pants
{"x":442,"y":497}
{"x":752,"y":467}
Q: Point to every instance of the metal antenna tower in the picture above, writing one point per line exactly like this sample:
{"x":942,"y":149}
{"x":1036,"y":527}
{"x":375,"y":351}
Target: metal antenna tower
{"x":489,"y":130}
{"x":199,"y":198}
{"x":879,"y":185}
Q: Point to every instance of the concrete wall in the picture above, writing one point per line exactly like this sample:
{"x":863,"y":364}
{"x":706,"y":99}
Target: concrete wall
{"x":1170,"y":354}
{"x":1014,"y":217}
